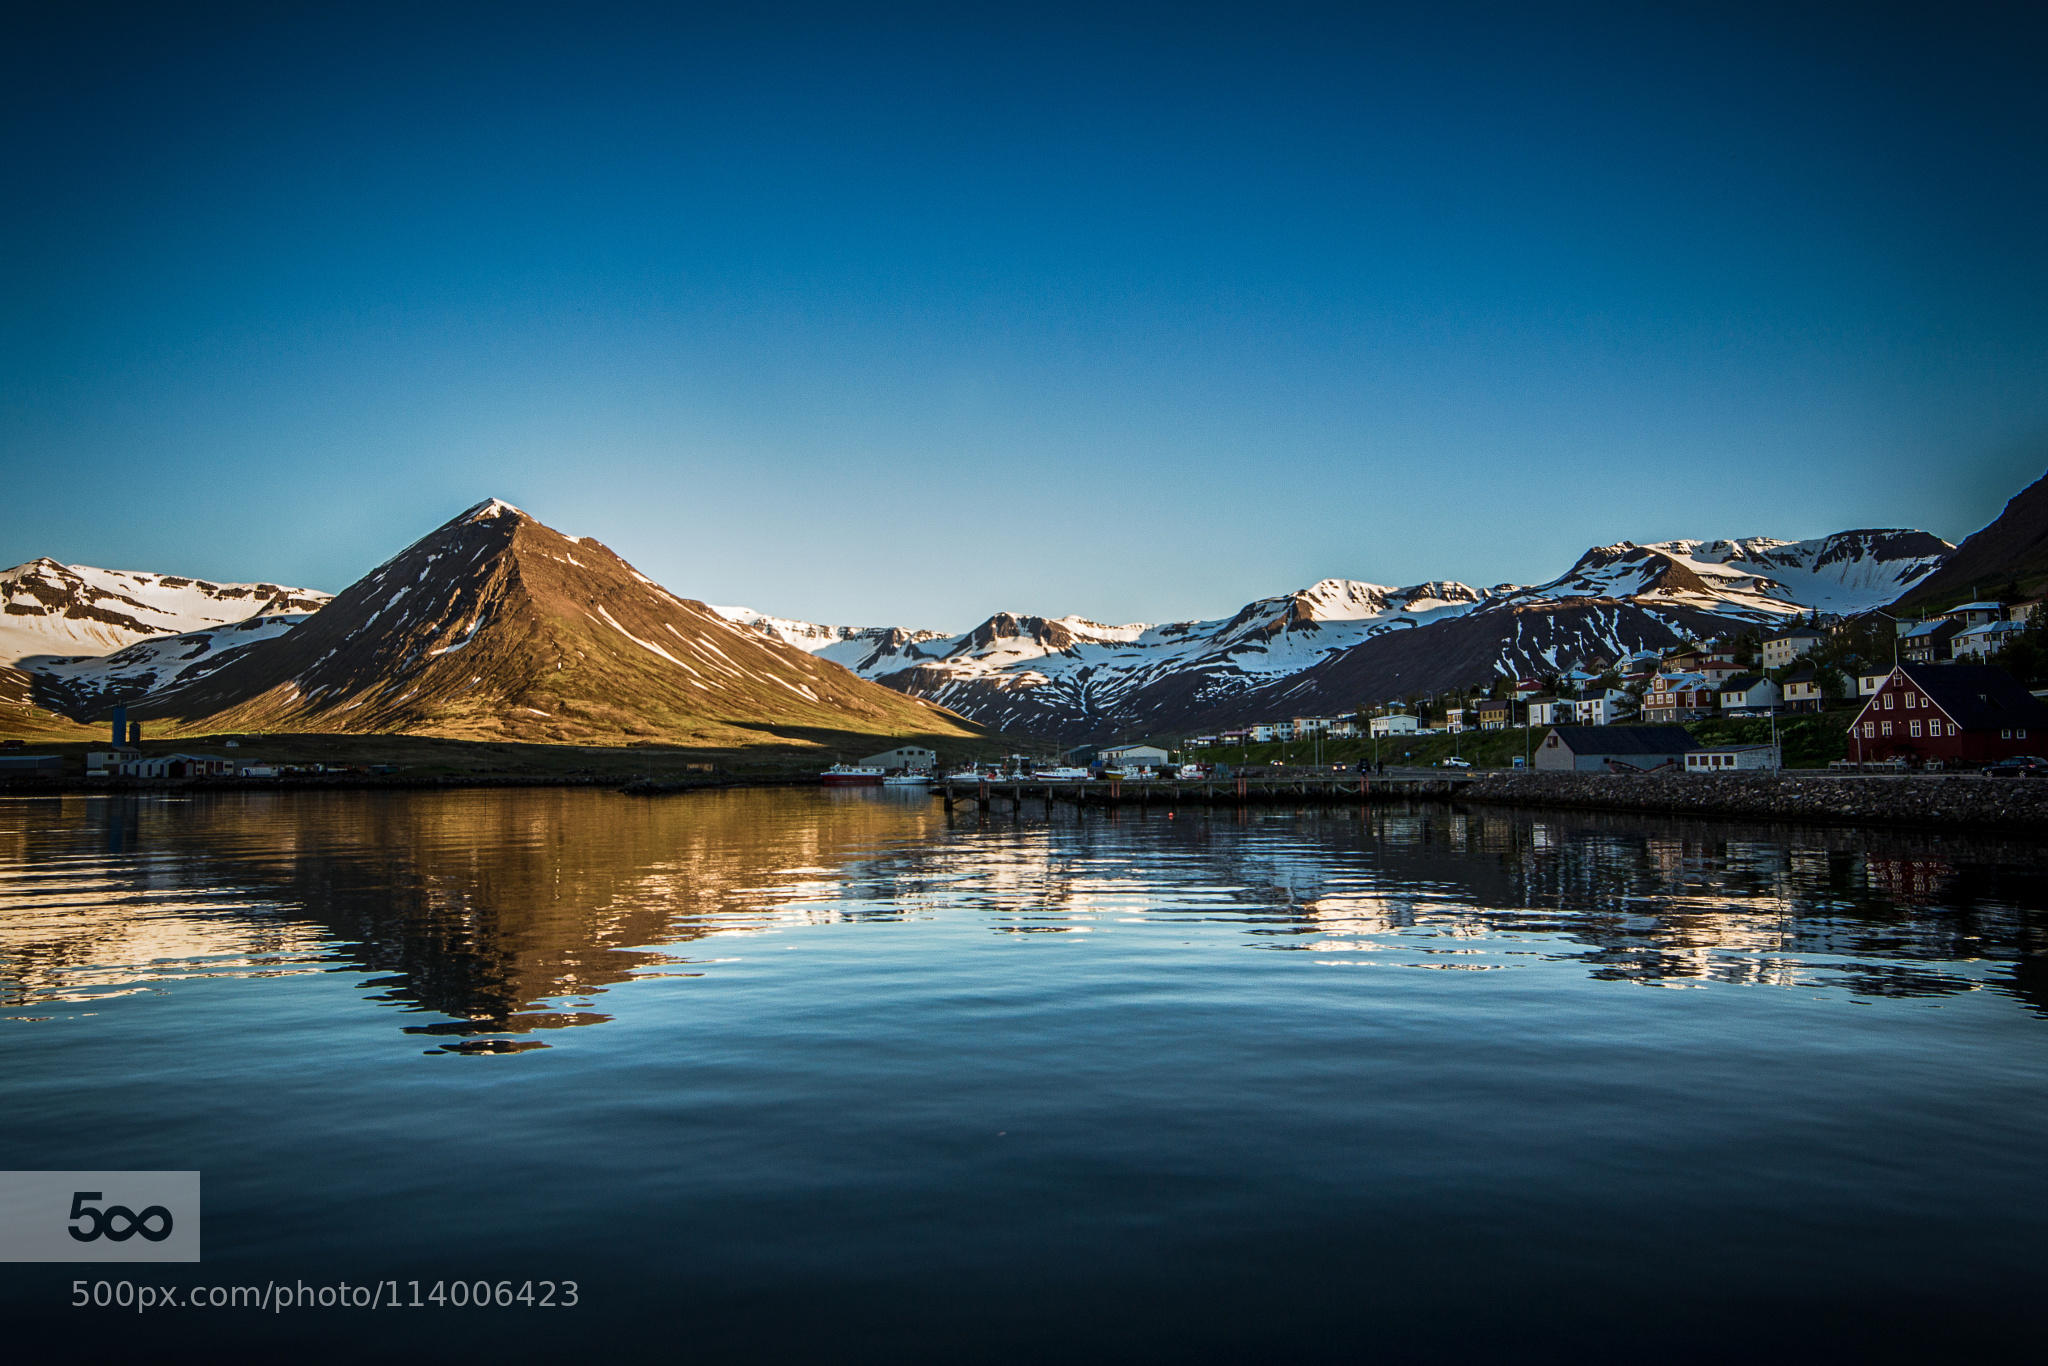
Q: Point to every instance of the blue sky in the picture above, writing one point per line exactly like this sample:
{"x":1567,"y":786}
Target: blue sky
{"x":887,"y":316}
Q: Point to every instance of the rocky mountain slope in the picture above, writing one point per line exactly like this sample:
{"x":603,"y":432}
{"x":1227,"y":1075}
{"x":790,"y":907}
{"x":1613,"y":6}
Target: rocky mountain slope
{"x":2010,"y":553}
{"x":1341,"y":643}
{"x":495,"y":626}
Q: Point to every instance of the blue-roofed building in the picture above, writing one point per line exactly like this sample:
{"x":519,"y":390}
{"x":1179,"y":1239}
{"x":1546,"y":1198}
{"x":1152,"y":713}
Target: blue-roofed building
{"x":1929,"y":642}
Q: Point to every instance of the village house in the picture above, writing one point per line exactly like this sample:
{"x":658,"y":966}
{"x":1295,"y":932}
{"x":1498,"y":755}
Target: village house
{"x":1454,"y":719}
{"x":1929,"y":642}
{"x":1526,"y":688}
{"x":1866,"y":684}
{"x":1714,"y":668}
{"x":1979,"y":643}
{"x":1970,"y":614}
{"x":1803,"y":691}
{"x":1605,"y":708}
{"x":1678,"y":697}
{"x":1782,"y":649}
{"x":1341,"y":726}
{"x":1613,"y":749}
{"x":1957,"y":714}
{"x":1495,"y":714}
{"x":1397,"y":723}
{"x":1548,"y":711}
{"x":1750,"y":693}
{"x":1734,"y":759}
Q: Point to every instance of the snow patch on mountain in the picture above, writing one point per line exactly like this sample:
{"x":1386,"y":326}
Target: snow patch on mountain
{"x":58,"y":612}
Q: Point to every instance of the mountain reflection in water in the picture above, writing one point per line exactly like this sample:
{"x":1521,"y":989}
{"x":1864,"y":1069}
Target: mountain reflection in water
{"x":499,"y":914}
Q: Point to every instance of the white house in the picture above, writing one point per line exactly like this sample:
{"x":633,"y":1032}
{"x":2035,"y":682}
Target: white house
{"x":1981,"y":642}
{"x":1134,"y":756}
{"x":1603,"y":710}
{"x":1549,"y":711}
{"x":1400,"y":723}
{"x":1867,"y":685}
{"x":1782,"y":649}
{"x":1750,"y":692}
{"x":1734,"y":759}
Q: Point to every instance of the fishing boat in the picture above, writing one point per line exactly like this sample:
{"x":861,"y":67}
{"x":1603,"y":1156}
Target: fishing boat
{"x":912,"y":779}
{"x":851,"y":775}
{"x":1060,"y":775}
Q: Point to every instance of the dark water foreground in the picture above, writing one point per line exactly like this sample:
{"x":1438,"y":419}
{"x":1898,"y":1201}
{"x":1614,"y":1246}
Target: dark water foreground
{"x":779,"y":1076}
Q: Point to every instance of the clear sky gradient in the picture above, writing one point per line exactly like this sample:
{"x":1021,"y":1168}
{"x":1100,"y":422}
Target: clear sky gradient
{"x":873,"y":315}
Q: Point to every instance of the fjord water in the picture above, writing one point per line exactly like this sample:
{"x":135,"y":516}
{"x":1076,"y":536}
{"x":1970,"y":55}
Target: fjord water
{"x":817,"y":1075}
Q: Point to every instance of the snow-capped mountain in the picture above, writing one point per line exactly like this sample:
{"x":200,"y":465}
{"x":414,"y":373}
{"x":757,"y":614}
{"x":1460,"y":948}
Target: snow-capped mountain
{"x":1341,"y":643}
{"x":86,"y":685}
{"x":1850,"y":571}
{"x":51,"y":611}
{"x":851,"y":646}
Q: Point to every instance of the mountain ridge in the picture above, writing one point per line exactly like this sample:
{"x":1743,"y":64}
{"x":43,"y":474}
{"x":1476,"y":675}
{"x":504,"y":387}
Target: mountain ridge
{"x":1340,"y":642}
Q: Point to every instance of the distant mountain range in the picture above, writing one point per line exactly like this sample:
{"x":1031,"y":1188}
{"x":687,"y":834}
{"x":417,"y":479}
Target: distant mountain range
{"x":496,"y":626}
{"x":1338,"y":643}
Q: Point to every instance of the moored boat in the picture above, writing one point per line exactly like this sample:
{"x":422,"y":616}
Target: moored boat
{"x":907,"y":780}
{"x":851,"y":775}
{"x":1060,"y":775}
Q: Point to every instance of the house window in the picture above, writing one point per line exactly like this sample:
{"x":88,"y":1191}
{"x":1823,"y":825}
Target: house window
{"x":1886,"y":728}
{"x":1911,"y":698}
{"x":2020,"y":734}
{"x":1870,"y":730}
{"x":1914,"y":730}
{"x":1954,"y":729}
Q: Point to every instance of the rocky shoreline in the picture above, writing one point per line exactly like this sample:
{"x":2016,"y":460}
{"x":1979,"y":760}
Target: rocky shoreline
{"x":1951,"y":801}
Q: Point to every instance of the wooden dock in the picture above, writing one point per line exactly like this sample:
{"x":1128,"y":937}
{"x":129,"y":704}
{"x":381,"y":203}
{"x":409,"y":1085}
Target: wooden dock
{"x":1252,"y":788}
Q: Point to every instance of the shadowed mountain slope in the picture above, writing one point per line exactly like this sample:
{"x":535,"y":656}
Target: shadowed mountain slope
{"x":2010,"y":552}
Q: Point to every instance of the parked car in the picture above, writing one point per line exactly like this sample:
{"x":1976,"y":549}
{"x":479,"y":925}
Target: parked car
{"x":1454,"y":762}
{"x":2019,"y":766}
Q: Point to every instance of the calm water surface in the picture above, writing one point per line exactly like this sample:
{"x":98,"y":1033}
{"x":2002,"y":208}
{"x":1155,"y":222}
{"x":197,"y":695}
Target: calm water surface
{"x":781,"y":1076}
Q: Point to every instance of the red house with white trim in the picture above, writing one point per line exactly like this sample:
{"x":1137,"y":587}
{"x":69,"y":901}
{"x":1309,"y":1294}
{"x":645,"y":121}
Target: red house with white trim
{"x":1949,"y":713}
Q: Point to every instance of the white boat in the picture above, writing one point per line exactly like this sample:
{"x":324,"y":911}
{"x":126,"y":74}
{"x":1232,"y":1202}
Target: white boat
{"x":907,"y":780}
{"x":851,"y":775}
{"x":1060,"y":775}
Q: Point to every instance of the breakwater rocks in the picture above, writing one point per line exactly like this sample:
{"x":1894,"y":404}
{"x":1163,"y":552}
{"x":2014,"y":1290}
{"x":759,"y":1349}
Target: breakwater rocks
{"x":1952,"y":801}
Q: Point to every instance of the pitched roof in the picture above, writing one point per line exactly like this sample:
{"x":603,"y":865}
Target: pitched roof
{"x":1940,"y":626}
{"x":1625,"y":739}
{"x":1741,"y":682}
{"x":1977,"y":697}
{"x":1805,"y":673}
